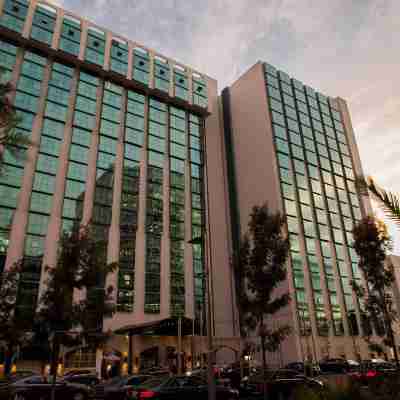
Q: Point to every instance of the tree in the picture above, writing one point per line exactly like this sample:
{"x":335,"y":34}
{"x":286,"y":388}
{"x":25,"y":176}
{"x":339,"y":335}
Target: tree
{"x":14,"y":331}
{"x":81,"y":266}
{"x":10,"y":137}
{"x":261,"y":265}
{"x":388,"y":201}
{"x":371,"y":243}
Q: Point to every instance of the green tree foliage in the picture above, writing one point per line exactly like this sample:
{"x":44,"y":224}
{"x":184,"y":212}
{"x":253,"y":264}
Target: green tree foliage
{"x":388,"y":201}
{"x":14,"y":332}
{"x":372,"y":243}
{"x":81,"y":268}
{"x":261,"y":268}
{"x":10,"y":137}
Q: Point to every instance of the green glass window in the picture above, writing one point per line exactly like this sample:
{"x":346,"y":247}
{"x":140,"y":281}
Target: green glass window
{"x":161,"y":74}
{"x":14,"y":14}
{"x":95,"y":46}
{"x":43,"y":24}
{"x":70,"y":36}
{"x":199,"y":91}
{"x":119,"y":57}
{"x":141,"y":66}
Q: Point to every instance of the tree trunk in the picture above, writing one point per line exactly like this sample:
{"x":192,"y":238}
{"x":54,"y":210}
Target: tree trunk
{"x":392,"y":341}
{"x":264,"y":366}
{"x":53,"y":366}
{"x":389,"y":328}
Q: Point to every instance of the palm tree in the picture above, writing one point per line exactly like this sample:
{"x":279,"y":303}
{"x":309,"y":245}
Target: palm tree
{"x":10,"y":137}
{"x":388,"y":201}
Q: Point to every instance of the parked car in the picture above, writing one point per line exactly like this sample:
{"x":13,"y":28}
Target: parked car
{"x":73,"y":372}
{"x":180,"y":387}
{"x":302,"y":369}
{"x":372,"y":369}
{"x":120,"y":388}
{"x":6,"y":382}
{"x":282,"y":382}
{"x":38,"y":387}
{"x":84,"y":379}
{"x":334,"y":366}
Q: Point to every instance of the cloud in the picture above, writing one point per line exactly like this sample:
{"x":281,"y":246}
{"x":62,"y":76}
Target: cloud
{"x":343,"y":48}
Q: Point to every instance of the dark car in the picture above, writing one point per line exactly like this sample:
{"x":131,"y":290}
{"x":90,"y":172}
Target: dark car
{"x":371,"y":370}
{"x":181,"y":388}
{"x":283,"y":382}
{"x":334,"y":366}
{"x":83,"y":379}
{"x":6,"y":382}
{"x":74,"y":372}
{"x":37,"y":387}
{"x":120,"y":388}
{"x":302,"y":368}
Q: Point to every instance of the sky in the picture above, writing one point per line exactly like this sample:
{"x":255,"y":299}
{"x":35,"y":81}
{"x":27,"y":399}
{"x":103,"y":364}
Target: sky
{"x":346,"y":48}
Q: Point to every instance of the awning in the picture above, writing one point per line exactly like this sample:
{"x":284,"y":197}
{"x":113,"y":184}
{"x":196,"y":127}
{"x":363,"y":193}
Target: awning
{"x":164,"y":327}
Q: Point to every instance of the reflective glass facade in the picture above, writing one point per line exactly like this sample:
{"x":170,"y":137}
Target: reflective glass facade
{"x":319,"y":198}
{"x":104,"y":145}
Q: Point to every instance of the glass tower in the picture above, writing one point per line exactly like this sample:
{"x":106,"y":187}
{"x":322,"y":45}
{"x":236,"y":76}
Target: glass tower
{"x":118,"y":142}
{"x":319,"y":197}
{"x":294,"y":148}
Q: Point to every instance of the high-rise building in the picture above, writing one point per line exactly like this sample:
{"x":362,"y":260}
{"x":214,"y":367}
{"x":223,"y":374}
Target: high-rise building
{"x":293,"y":147}
{"x":119,"y":135}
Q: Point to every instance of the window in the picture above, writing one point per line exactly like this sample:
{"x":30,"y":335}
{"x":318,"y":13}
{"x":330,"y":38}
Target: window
{"x":304,"y":196}
{"x":290,"y":207}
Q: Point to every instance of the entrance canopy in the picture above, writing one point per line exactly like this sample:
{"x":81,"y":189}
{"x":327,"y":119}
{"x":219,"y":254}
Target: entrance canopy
{"x":163,"y":327}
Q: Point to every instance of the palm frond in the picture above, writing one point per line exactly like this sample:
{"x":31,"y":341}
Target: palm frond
{"x":388,"y":201}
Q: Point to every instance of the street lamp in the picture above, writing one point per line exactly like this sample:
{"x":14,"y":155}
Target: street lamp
{"x":210,"y":352}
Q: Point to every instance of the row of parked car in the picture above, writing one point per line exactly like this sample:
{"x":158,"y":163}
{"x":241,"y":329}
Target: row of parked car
{"x":78,"y":385}
{"x":158,"y":384}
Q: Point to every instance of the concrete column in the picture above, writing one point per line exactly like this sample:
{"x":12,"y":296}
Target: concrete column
{"x":20,"y":220}
{"x":190,"y":85}
{"x":107,"y":51}
{"x":171,"y":91}
{"x":151,"y":69}
{"x":57,"y":29}
{"x":140,"y":251}
{"x":84,"y":35}
{"x":26,"y":32}
{"x":131,"y":46}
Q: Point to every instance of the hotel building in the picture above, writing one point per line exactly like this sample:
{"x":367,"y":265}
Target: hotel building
{"x":137,"y":144}
{"x":119,"y":135}
{"x":294,"y":147}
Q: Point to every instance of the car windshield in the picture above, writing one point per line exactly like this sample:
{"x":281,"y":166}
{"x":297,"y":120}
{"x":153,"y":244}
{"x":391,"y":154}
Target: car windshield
{"x":136,"y":380}
{"x":117,"y":380}
{"x":154,"y":382}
